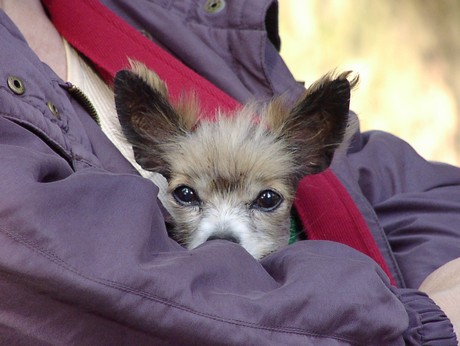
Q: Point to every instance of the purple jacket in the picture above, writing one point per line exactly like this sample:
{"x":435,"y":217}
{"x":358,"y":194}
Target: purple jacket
{"x":84,"y":254}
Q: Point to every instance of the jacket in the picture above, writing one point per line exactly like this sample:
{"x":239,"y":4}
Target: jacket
{"x":85,"y":256}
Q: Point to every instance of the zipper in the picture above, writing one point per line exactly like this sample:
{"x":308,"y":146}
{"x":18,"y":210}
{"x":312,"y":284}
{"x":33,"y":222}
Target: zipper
{"x":84,"y":101}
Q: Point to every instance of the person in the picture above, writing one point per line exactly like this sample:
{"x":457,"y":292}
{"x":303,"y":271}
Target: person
{"x":85,"y":257}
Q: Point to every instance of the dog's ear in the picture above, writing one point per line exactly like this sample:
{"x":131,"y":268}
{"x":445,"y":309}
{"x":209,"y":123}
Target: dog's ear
{"x":316,"y":125}
{"x":147,"y":118}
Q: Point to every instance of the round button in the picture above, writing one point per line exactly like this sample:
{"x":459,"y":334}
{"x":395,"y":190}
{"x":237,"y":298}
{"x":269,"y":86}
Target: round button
{"x":53,"y":109}
{"x":214,"y":6}
{"x":16,"y":85}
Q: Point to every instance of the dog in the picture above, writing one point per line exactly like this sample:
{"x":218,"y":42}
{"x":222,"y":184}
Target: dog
{"x":234,"y":177}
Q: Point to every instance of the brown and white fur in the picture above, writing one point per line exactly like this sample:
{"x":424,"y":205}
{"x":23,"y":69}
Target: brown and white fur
{"x":232,"y":178}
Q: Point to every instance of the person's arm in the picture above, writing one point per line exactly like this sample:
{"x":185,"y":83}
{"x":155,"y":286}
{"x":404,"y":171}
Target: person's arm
{"x":95,"y":241}
{"x":443,"y":286}
{"x":80,"y":239}
{"x":417,"y":204}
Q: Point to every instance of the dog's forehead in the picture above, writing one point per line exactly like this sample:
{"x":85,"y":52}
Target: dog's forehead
{"x":232,"y":154}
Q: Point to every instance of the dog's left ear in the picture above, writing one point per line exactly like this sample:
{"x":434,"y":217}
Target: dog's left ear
{"x":148,"y":120}
{"x":316,"y":125}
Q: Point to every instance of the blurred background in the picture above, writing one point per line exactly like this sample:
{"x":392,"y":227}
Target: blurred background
{"x":407,"y":54}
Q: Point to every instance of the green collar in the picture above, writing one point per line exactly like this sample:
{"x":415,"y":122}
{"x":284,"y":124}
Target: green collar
{"x":296,"y":229}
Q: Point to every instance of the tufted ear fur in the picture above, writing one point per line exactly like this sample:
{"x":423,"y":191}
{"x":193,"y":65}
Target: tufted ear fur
{"x":313,"y":128}
{"x":148,"y":119}
{"x":317,"y":124}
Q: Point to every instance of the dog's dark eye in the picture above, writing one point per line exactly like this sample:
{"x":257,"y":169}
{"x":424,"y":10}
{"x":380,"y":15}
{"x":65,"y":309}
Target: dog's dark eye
{"x":267,"y":200}
{"x":186,"y":196}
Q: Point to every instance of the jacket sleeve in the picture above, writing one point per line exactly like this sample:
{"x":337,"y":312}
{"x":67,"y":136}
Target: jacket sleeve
{"x":85,"y":259}
{"x":416,"y":202}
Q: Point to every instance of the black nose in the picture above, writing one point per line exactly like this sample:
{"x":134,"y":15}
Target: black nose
{"x":224,"y":236}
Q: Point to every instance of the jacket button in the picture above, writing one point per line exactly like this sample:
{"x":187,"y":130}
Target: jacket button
{"x":53,"y":109}
{"x":146,"y":34}
{"x":16,"y":85}
{"x":214,"y":6}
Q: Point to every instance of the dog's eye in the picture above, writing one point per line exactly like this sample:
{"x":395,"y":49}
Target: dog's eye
{"x":186,"y":196}
{"x":267,"y":200}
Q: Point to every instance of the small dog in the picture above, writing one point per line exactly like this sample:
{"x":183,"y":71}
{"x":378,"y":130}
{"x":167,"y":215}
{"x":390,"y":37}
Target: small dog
{"x":234,"y":177}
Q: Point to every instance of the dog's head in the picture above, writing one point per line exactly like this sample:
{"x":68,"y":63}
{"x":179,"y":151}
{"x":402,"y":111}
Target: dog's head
{"x":233,"y":177}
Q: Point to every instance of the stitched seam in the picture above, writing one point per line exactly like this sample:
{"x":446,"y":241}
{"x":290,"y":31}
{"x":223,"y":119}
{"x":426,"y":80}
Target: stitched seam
{"x":357,"y":219}
{"x":30,"y":101}
{"x":63,"y":152}
{"x":161,"y":58}
{"x":263,"y":53}
{"x":393,"y":265}
{"x":116,"y":285}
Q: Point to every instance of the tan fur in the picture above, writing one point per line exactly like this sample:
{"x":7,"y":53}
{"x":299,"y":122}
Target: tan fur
{"x":187,"y":106}
{"x":231,"y":161}
{"x":150,"y":77}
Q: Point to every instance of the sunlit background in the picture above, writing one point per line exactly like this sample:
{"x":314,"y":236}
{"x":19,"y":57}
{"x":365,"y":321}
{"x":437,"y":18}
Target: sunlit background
{"x":407,"y":54}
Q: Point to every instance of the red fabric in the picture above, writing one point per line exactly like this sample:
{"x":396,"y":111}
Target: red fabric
{"x":323,"y":204}
{"x":108,"y":41}
{"x":328,"y":212}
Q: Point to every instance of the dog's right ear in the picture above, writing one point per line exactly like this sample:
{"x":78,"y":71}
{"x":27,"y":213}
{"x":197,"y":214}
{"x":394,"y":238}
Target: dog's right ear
{"x":318,"y":123}
{"x":146,"y":116}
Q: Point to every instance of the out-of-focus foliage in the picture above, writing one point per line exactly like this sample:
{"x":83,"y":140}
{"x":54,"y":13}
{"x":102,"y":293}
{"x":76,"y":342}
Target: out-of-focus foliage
{"x":406,"y":52}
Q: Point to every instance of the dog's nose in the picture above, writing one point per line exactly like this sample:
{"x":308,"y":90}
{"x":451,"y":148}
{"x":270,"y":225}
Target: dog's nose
{"x":224,"y":236}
